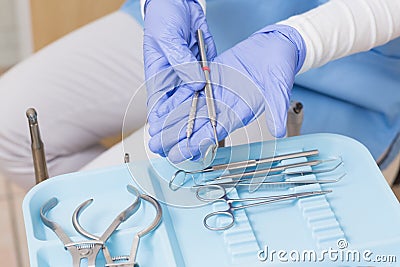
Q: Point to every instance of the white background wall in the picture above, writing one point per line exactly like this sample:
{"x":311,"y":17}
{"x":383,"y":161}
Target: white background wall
{"x":8,"y":33}
{"x":15,"y":31}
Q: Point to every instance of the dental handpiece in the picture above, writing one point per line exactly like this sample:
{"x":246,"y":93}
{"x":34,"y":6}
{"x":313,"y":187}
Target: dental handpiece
{"x":39,"y":159}
{"x":212,"y":115}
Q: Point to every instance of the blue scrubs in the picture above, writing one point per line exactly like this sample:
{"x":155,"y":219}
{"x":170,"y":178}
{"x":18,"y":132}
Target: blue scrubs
{"x":357,"y":96}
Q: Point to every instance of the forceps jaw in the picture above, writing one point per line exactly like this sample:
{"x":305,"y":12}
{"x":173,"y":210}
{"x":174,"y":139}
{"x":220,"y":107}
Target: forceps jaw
{"x":75,"y":220}
{"x":78,"y":250}
{"x":123,"y":216}
{"x":155,"y":223}
{"x":89,"y":249}
{"x":45,"y":209}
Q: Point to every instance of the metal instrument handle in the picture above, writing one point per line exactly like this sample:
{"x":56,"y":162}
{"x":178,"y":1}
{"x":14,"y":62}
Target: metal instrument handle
{"x":270,"y":170}
{"x":212,"y":114}
{"x":216,"y":214}
{"x":38,"y":154}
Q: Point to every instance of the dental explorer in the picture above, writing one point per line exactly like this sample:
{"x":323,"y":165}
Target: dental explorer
{"x":208,"y":91}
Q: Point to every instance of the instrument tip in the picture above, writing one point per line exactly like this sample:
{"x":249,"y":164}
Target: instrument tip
{"x":31,"y":114}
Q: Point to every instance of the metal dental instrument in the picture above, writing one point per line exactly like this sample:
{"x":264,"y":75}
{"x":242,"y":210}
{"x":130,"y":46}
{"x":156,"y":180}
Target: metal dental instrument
{"x":212,"y":115}
{"x":245,"y":164}
{"x":255,"y":175}
{"x":208,"y":88}
{"x":274,"y":179}
{"x":249,"y":182}
{"x":78,"y":250}
{"x":126,"y":261}
{"x":127,"y":158}
{"x":283,"y":168}
{"x":122,"y":217}
{"x":221,"y":196}
{"x":87,"y":249}
{"x":130,"y":261}
{"x":192,"y":117}
{"x":294,"y":119}
{"x":39,"y":158}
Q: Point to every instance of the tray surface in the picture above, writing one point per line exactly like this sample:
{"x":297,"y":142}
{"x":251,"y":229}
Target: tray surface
{"x":361,"y":210}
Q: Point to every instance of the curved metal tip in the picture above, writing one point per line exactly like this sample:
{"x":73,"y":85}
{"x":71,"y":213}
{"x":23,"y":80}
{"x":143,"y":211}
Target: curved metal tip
{"x":341,"y":177}
{"x":210,"y":155}
{"x":84,"y":205}
{"x":75,"y":219}
{"x":171,"y":184}
{"x":133,"y":190}
{"x":188,"y":149}
{"x":157,"y":220}
{"x":45,"y":209}
{"x":128,"y":212}
{"x":49,"y":205}
{"x":31,"y":114}
{"x":215,"y":137}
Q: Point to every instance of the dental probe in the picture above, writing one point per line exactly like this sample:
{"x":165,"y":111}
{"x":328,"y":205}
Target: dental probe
{"x":212,"y":115}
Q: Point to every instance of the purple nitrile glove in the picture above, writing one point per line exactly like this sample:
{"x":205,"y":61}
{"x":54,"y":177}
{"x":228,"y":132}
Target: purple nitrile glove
{"x":254,"y":76}
{"x":169,"y":46}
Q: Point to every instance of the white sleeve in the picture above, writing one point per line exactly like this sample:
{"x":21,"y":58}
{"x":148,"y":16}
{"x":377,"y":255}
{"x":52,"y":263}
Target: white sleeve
{"x":201,"y":2}
{"x":343,"y":27}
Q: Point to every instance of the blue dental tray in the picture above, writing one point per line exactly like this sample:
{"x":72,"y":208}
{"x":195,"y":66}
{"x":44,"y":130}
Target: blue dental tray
{"x":360,"y":217}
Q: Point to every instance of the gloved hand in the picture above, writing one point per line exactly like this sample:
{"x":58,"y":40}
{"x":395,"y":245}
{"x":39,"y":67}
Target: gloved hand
{"x":170,"y":41}
{"x":254,"y":76}
{"x":171,"y":54}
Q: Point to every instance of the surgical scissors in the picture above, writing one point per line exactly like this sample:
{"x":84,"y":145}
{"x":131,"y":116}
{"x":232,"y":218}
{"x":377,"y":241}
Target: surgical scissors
{"x":87,"y":249}
{"x":221,"y":196}
{"x":242,"y":164}
{"x":119,"y":261}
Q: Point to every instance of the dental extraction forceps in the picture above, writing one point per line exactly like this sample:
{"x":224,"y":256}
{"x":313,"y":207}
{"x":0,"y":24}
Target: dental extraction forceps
{"x":244,"y":164}
{"x":121,"y":261}
{"x":212,"y":115}
{"x":87,"y":249}
{"x":229,"y":212}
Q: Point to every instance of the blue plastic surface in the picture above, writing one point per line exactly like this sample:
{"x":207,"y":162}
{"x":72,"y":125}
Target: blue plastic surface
{"x":361,"y":209}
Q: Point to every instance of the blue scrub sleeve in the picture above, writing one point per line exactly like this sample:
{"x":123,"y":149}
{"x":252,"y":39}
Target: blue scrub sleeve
{"x":333,"y":115}
{"x":132,"y":7}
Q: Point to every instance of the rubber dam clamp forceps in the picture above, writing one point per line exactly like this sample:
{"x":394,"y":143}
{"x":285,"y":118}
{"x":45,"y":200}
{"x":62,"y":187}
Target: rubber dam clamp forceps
{"x":87,"y":249}
{"x":212,"y":115}
{"x":121,"y":261}
{"x":242,"y":164}
{"x":220,"y":195}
